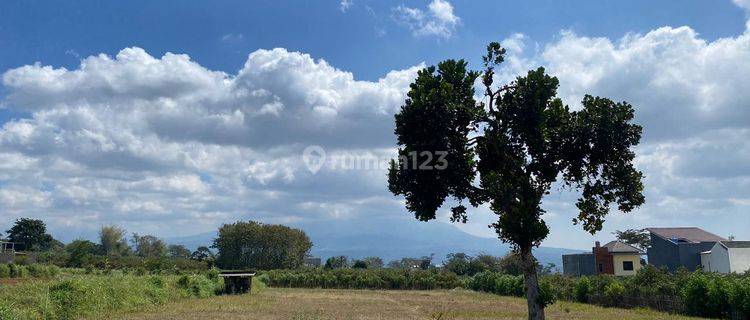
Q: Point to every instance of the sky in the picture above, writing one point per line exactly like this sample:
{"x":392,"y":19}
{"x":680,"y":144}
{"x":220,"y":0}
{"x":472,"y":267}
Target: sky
{"x":173,"y":117}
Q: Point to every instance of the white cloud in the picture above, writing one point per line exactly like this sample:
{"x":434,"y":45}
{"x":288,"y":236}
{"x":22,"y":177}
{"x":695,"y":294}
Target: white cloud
{"x":165,"y":139}
{"x":693,"y":101}
{"x":233,"y":38}
{"x":165,"y":145}
{"x":439,"y":20}
{"x":744,"y":4}
{"x":344,"y":5}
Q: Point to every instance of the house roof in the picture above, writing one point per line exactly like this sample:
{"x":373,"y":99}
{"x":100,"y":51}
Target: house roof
{"x":621,"y":247}
{"x":736,"y":244}
{"x":687,"y":234}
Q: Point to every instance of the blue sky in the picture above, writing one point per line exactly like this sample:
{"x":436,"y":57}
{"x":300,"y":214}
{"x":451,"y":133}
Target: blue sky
{"x":60,"y":34}
{"x":178,"y":144}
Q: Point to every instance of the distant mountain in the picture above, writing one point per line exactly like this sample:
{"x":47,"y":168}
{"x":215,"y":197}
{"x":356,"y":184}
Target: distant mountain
{"x":391,"y":241}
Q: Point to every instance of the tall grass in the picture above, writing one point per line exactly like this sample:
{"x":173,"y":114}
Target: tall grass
{"x":90,"y":295}
{"x":28,"y":271}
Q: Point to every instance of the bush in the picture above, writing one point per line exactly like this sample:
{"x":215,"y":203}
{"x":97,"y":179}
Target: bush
{"x":18,"y":271}
{"x":198,"y":286}
{"x":94,"y":296}
{"x":614,"y":292}
{"x":4,"y":271}
{"x":582,"y":290}
{"x":362,"y":279}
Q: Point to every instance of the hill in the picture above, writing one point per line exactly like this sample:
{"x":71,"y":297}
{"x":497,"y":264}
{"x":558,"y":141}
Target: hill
{"x":361,"y":238}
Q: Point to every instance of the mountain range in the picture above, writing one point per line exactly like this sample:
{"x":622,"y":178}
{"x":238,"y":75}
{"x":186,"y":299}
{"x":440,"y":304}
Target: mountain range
{"x":361,"y":238}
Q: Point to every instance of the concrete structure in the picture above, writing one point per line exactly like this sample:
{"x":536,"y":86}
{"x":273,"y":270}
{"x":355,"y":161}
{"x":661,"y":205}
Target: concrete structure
{"x":625,"y":260}
{"x":237,"y":282}
{"x":7,"y":252}
{"x":579,"y":264}
{"x":679,"y":247}
{"x":311,"y":262}
{"x":727,"y":257}
{"x":616,"y":258}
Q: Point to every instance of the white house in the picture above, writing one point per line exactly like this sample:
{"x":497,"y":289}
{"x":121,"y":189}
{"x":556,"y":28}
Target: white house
{"x":727,"y":257}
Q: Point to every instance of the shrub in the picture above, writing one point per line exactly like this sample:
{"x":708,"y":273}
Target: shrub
{"x":83,"y":296}
{"x":4,"y":271}
{"x":198,"y":285}
{"x":263,"y":278}
{"x":69,"y":299}
{"x":362,"y":279}
{"x":547,"y":293}
{"x":18,"y":271}
{"x":614,"y":292}
{"x":582,"y":290}
{"x":740,"y":295}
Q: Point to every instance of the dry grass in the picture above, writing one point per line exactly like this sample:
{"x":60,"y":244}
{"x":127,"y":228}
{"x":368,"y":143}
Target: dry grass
{"x":304,"y":304}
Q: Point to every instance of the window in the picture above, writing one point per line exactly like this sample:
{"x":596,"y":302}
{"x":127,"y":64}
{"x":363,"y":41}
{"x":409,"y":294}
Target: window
{"x":601,"y":267}
{"x":627,"y":265}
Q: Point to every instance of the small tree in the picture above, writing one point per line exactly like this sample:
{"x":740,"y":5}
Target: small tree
{"x":337,"y":262}
{"x":81,"y":253}
{"x":520,"y":140}
{"x":31,"y":233}
{"x":149,"y":246}
{"x":639,"y":238}
{"x":373,"y":262}
{"x":178,"y":251}
{"x":458,"y":263}
{"x":112,"y":241}
{"x":202,"y":253}
{"x":359,"y":264}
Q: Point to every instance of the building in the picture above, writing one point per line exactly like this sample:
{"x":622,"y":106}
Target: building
{"x":679,"y":247}
{"x":311,"y":262}
{"x":616,"y":258}
{"x":579,"y":264}
{"x":7,"y":252}
{"x":727,"y":257}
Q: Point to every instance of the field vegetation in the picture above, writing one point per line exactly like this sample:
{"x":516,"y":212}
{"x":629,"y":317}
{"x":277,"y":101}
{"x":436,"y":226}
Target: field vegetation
{"x":315,"y":304}
{"x":95,"y":295}
{"x":696,"y":293}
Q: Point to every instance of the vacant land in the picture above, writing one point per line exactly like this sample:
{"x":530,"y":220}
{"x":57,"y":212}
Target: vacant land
{"x":276,"y":303}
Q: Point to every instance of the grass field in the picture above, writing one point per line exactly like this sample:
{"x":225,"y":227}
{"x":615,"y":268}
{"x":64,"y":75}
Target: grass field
{"x":302,"y":304}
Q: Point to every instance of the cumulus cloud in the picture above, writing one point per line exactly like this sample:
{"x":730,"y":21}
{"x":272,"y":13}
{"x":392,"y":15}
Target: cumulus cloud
{"x":693,"y":101}
{"x":438,"y":20}
{"x":165,"y":145}
{"x":172,"y":140}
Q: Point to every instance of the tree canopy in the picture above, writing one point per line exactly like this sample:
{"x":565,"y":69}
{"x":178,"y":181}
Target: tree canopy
{"x":639,"y":238}
{"x":261,"y":246}
{"x":31,"y":234}
{"x":520,"y":140}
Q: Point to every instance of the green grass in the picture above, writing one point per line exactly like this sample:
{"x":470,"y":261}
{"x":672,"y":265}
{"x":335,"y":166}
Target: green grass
{"x":79,"y":296}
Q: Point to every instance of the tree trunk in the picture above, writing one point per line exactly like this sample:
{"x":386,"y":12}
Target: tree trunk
{"x":531,"y":285}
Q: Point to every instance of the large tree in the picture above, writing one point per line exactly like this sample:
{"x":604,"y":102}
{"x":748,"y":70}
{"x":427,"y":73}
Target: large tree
{"x":261,"y":246}
{"x":31,"y":234}
{"x":520,"y":139}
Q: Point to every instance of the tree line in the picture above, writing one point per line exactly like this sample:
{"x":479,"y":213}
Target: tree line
{"x":114,"y":248}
